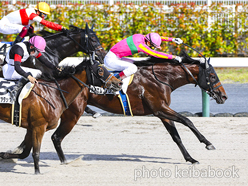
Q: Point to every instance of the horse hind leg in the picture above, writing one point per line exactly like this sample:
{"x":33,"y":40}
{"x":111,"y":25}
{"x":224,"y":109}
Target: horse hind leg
{"x":171,"y":128}
{"x":22,"y":151}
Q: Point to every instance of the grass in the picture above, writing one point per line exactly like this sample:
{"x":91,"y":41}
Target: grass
{"x":232,"y":75}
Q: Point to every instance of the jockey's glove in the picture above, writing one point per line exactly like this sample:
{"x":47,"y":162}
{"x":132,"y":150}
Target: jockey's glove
{"x":178,"y":58}
{"x":177,"y":41}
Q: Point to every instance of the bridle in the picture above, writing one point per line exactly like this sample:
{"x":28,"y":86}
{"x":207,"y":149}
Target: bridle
{"x":203,"y":80}
{"x":203,"y":77}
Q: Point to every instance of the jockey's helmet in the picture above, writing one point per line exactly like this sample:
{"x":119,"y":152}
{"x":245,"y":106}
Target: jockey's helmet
{"x":43,"y":7}
{"x":38,"y":42}
{"x":154,"y":39}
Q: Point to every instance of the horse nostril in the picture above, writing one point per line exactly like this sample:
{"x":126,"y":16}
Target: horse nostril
{"x":224,"y":97}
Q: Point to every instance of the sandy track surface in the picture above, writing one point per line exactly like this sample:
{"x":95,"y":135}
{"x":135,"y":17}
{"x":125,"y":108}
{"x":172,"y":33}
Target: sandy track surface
{"x":133,"y":151}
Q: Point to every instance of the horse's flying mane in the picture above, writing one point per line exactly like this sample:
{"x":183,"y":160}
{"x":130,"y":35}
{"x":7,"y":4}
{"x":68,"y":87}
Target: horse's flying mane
{"x":65,"y":72}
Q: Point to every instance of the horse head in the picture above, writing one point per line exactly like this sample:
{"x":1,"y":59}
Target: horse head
{"x":93,"y":44}
{"x":207,"y":79}
{"x":98,"y":75}
{"x":61,"y":45}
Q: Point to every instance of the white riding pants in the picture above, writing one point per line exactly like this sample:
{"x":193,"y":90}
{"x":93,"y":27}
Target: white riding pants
{"x":8,"y":28}
{"x":111,"y":61}
{"x":9,"y":72}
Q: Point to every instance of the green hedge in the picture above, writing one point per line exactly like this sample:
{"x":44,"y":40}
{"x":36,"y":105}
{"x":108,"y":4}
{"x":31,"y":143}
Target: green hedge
{"x":225,"y":37}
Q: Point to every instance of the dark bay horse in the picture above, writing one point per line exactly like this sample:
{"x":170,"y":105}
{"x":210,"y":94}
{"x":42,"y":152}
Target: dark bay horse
{"x":150,"y":93}
{"x":42,"y":109}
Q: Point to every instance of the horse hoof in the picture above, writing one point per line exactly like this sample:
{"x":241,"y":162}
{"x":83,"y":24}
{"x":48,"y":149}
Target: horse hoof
{"x":4,"y":155}
{"x":210,"y":147}
{"x":97,"y":115}
{"x":195,"y":163}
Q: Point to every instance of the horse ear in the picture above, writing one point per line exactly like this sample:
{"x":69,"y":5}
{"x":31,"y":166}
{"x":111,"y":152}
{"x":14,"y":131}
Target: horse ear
{"x":92,"y":26}
{"x":87,"y":28}
{"x":207,"y":63}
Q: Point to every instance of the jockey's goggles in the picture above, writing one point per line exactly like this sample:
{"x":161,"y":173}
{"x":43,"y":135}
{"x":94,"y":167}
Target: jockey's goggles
{"x":34,"y":49}
{"x":42,"y":15}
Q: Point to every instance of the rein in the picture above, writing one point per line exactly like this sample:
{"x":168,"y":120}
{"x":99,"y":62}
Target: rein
{"x":44,"y":99}
{"x":211,"y":88}
{"x":159,"y":80}
{"x":78,"y":80}
{"x":189,"y":73}
{"x":61,"y":94}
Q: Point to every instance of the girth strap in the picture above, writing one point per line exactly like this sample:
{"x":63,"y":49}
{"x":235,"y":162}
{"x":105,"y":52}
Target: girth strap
{"x":62,"y":95}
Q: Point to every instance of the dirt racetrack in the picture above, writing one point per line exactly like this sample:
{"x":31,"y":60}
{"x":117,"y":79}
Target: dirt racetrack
{"x":133,"y":151}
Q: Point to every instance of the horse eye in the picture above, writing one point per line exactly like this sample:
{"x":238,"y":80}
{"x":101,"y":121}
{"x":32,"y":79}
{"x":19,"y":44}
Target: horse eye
{"x":100,"y":72}
{"x":212,"y":78}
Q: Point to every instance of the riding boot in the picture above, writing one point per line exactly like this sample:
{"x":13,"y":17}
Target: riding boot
{"x":118,"y":76}
{"x":17,"y":40}
{"x":121,"y":76}
{"x":13,"y":90}
{"x":21,"y":35}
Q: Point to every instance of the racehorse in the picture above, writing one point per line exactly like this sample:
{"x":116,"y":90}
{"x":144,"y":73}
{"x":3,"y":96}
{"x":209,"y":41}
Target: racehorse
{"x":150,"y":93}
{"x":42,"y":109}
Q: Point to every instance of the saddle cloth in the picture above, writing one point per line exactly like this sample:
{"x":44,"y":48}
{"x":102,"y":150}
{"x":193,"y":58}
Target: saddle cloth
{"x":5,"y":98}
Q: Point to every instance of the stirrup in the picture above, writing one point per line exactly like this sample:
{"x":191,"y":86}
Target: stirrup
{"x":12,"y":93}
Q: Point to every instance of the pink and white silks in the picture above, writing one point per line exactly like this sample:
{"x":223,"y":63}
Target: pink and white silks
{"x":127,"y":47}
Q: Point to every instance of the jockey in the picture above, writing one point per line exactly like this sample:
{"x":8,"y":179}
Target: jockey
{"x":135,"y":44}
{"x":18,"y":54}
{"x":20,"y":21}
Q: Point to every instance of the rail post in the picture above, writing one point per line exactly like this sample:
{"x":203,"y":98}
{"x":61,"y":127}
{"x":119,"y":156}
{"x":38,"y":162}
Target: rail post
{"x":111,"y":2}
{"x":205,"y":104}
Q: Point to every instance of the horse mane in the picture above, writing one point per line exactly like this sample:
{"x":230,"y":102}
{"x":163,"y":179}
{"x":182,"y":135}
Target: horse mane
{"x":153,"y":60}
{"x":65,"y":72}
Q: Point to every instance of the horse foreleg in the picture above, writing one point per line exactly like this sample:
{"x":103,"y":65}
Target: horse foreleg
{"x":37,"y":135}
{"x":171,"y":128}
{"x":168,"y":113}
{"x":68,"y":120}
{"x":21,"y":151}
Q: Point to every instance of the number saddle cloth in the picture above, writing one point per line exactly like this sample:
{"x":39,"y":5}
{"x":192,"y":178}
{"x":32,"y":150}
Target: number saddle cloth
{"x":5,"y":98}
